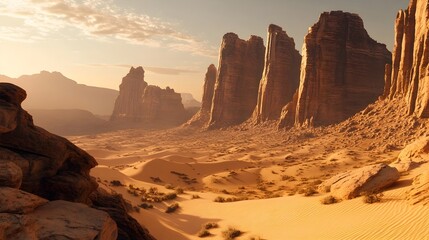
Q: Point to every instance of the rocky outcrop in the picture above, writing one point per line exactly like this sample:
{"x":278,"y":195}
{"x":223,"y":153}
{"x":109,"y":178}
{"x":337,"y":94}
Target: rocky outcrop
{"x":342,"y":70}
{"x":10,"y":174}
{"x":280,"y":78}
{"x":240,"y":70}
{"x":27,"y":216}
{"x":161,"y":107}
{"x":128,"y":103}
{"x":52,"y":167}
{"x":117,"y":208}
{"x":413,"y":155}
{"x":410,"y":70}
{"x":368,"y":179}
{"x":202,"y":117}
{"x":140,"y":105}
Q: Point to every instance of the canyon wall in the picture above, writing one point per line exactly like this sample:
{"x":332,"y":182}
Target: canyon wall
{"x":240,"y":70}
{"x":342,"y":71}
{"x":280,"y":77}
{"x":410,"y":72}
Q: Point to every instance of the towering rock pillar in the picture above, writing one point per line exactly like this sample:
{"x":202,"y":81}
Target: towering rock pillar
{"x":410,"y":69}
{"x":128,"y":103}
{"x":281,"y":75}
{"x":202,"y":117}
{"x":240,"y":70}
{"x":342,"y":70}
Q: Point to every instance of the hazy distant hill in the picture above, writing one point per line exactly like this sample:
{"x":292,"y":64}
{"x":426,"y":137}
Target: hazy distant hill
{"x":67,"y":122}
{"x":189,"y":101}
{"x":54,"y":91}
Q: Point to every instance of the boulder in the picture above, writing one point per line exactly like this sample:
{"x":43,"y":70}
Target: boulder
{"x":413,"y":155}
{"x":117,"y":208}
{"x":55,"y":220}
{"x":52,"y":166}
{"x":18,"y":202}
{"x":342,"y":70}
{"x":368,"y":179}
{"x":280,"y":78}
{"x":241,"y":64}
{"x":10,"y":174}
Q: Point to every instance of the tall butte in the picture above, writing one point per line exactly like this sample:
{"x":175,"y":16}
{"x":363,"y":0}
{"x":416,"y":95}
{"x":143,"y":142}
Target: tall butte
{"x":280,"y":77}
{"x":410,"y":69}
{"x":241,"y":64}
{"x":342,"y":72}
{"x":140,"y":105}
{"x":202,"y":117}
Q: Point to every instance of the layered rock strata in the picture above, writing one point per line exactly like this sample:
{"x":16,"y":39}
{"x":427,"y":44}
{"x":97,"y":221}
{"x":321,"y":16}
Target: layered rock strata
{"x":342,"y":70}
{"x":240,"y":70}
{"x":280,"y":78}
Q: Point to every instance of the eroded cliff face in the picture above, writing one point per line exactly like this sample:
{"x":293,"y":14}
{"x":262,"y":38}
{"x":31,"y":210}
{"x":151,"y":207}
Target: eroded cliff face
{"x":410,"y":72}
{"x":280,"y":78}
{"x":202,"y":117}
{"x":128,"y":103}
{"x":240,"y":70}
{"x":161,"y":107}
{"x":342,"y":70}
{"x":140,"y":105}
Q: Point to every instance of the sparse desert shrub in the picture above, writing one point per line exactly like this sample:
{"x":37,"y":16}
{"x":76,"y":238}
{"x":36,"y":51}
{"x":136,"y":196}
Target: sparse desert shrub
{"x":195,"y":196}
{"x":231,"y":233}
{"x":153,"y":190}
{"x":156,"y":179}
{"x":169,"y":186}
{"x":210,"y":225}
{"x":136,"y":208}
{"x":328,"y":200}
{"x":172,"y":208}
{"x":180,"y":191}
{"x":146,"y":206}
{"x":204,"y":233}
{"x":371,"y":198}
{"x":116,"y":183}
{"x":219,"y":199}
{"x":170,"y":196}
{"x":310,"y":191}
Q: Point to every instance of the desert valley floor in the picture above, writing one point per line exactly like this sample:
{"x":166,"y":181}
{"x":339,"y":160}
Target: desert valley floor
{"x":259,"y":177}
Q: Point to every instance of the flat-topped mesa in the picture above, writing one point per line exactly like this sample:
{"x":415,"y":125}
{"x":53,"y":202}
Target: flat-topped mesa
{"x":280,"y":78}
{"x":240,"y":70}
{"x":161,"y":107}
{"x":202,"y":117}
{"x":128,"y":103}
{"x":342,"y":70}
{"x":410,"y":68}
{"x":140,"y":105}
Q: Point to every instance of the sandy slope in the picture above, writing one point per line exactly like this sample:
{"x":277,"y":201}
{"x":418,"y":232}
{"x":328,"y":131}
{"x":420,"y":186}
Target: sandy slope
{"x":270,"y":168}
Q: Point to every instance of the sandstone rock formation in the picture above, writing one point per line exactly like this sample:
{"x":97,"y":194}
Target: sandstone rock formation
{"x":117,"y":208}
{"x":413,"y":155}
{"x":202,"y":117}
{"x":410,"y":69}
{"x":368,"y":179}
{"x":52,"y":166}
{"x":342,"y":70}
{"x":27,"y":216}
{"x":280,"y":78}
{"x":10,"y":174}
{"x":161,"y":107}
{"x":147,"y":106}
{"x":240,"y":70}
{"x":128,"y":103}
